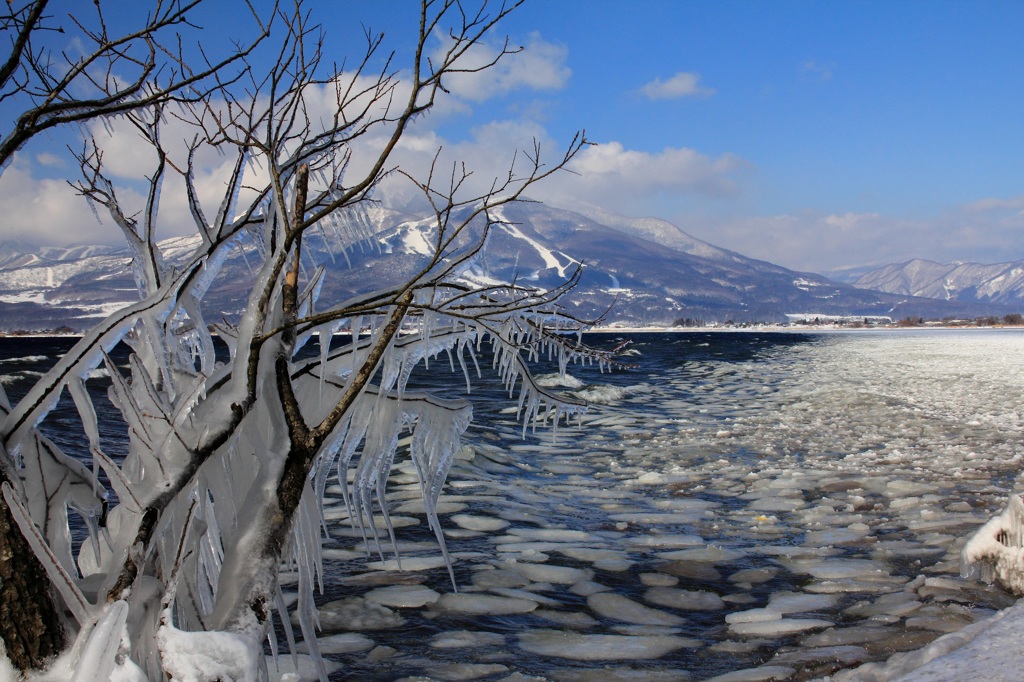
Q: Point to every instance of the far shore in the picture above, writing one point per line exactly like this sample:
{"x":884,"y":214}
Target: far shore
{"x":780,"y":328}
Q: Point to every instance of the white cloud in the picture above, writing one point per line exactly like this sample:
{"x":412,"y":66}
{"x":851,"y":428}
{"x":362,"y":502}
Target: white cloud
{"x":848,"y":222}
{"x":683,"y":84}
{"x":46,"y":211}
{"x":615,"y":178}
{"x":48,"y":159}
{"x":539,"y":66}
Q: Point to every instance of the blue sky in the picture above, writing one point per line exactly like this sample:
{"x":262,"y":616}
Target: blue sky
{"x":816,"y":135}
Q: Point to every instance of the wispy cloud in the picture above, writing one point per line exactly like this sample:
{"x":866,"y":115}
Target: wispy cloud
{"x":683,"y":84}
{"x":996,"y":204}
{"x":818,"y":71}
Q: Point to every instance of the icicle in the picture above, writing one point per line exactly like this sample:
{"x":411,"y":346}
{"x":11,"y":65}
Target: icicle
{"x":286,"y":624}
{"x":103,"y":644}
{"x":307,"y":550}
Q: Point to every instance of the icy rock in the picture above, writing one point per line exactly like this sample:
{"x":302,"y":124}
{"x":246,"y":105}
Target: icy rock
{"x":544,"y":573}
{"x":765,"y":673}
{"x":691,"y":570}
{"x":381,"y":653}
{"x":895,"y":604}
{"x":865,"y":586}
{"x":552,"y":535}
{"x":455,"y":672}
{"x":835,"y":536}
{"x":305,"y":670}
{"x":621,"y":674}
{"x":900,"y":488}
{"x":848,"y":635}
{"x":617,"y":607}
{"x":709,"y":554}
{"x":658,"y":580}
{"x":645,"y":630}
{"x":403,"y":596}
{"x":845,"y":655}
{"x":666,"y":541}
{"x":588,"y":587}
{"x":567,"y":619}
{"x":465,"y":639}
{"x":797,"y":602}
{"x":519,"y":677}
{"x":595,"y":555}
{"x":579,"y":647}
{"x":945,"y":622}
{"x":489,"y":579}
{"x":658,"y":518}
{"x":687,"y":600}
{"x":613,"y":565}
{"x":340,"y":554}
{"x":753,"y":616}
{"x":415,"y":563}
{"x":778,"y":627}
{"x":482,"y":604}
{"x":776,"y":504}
{"x":527,"y":594}
{"x":378,"y":578}
{"x":485,"y":524}
{"x":836,"y":569}
{"x":443,"y":507}
{"x":753,"y":575}
{"x":345,"y":643}
{"x":356,"y":613}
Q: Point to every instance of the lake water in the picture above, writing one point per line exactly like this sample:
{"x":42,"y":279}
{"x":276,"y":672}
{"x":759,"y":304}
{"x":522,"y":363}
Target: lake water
{"x":788,"y":505}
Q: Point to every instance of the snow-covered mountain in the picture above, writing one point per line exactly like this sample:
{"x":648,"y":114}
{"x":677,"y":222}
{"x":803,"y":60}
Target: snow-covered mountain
{"x":1001,"y":283}
{"x":640,"y":271}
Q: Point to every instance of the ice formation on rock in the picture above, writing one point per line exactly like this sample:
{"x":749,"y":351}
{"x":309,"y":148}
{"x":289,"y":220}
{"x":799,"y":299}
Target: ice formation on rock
{"x":995,"y":552}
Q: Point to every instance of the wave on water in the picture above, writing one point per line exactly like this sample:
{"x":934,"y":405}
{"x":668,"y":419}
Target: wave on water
{"x":556,"y":380}
{"x":21,"y":360}
{"x":10,"y":379}
{"x":605,"y":394}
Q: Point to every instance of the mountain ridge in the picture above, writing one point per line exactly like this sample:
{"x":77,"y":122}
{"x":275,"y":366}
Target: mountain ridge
{"x":996,"y":283}
{"x":642,"y":271}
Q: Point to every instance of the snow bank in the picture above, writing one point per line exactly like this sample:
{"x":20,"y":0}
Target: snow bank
{"x":988,"y":650}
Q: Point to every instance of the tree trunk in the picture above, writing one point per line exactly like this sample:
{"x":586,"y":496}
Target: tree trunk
{"x":31,"y":623}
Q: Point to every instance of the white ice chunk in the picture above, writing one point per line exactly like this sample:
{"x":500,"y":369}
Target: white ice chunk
{"x":483,"y":604}
{"x":403,"y":596}
{"x":461,"y":639}
{"x":778,"y":627}
{"x":689,"y":600}
{"x":617,"y":607}
{"x":579,"y":647}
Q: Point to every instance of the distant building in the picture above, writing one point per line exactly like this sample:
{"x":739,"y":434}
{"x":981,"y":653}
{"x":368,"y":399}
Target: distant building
{"x":820,"y":318}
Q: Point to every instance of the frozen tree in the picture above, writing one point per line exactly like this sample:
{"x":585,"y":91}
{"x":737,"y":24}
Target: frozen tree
{"x":229,"y":458}
{"x":66,"y":65}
